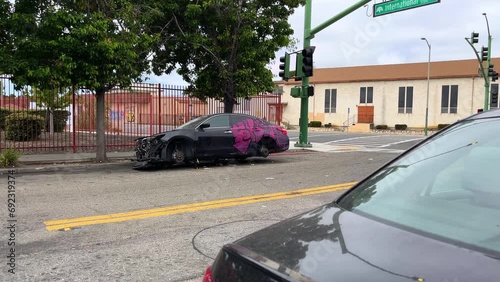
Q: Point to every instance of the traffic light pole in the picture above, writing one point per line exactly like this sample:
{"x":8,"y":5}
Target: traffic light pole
{"x":308,"y":35}
{"x":488,"y":63}
{"x":487,"y":78}
{"x":304,"y":99}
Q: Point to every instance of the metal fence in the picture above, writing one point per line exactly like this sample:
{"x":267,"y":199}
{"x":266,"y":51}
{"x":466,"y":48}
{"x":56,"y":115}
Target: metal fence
{"x":142,"y":109}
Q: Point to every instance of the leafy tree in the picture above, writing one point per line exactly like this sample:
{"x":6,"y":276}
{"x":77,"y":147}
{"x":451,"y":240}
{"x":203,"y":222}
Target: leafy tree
{"x":51,"y":100}
{"x":5,"y":35}
{"x":94,"y":44}
{"x":222,"y":47}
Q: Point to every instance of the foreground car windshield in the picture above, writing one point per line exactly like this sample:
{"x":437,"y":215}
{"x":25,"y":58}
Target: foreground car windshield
{"x":447,"y":189}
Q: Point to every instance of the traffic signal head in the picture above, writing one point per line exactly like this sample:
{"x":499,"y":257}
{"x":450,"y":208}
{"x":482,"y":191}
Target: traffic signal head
{"x":491,"y":71}
{"x":494,"y":76}
{"x":307,"y":61}
{"x":285,"y":67}
{"x":474,"y":37}
{"x":484,"y":54}
{"x":494,"y":96}
{"x":295,"y":92}
{"x":310,"y":91}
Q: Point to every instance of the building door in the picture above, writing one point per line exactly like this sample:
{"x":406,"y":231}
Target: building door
{"x":365,"y":114}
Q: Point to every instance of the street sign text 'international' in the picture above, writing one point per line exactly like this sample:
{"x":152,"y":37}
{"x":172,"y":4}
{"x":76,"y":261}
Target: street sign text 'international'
{"x":394,"y":6}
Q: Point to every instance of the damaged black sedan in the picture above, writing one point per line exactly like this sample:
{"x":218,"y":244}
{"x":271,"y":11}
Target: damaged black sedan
{"x":213,"y":137}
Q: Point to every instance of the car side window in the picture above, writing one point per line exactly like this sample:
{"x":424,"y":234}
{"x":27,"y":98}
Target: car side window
{"x":219,"y":121}
{"x":236,"y":119}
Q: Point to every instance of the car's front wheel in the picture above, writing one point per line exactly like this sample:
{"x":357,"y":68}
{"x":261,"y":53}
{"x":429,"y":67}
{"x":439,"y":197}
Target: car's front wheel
{"x":178,"y":153}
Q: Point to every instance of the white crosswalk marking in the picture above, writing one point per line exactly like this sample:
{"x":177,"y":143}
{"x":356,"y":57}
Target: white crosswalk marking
{"x":378,"y":143}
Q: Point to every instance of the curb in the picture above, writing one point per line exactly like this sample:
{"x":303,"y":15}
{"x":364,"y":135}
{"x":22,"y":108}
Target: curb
{"x":60,"y":166}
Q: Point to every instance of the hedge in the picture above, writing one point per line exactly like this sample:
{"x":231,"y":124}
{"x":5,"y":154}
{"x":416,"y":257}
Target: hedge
{"x":442,"y":125}
{"x":315,"y":123}
{"x":4,"y":112}
{"x":60,"y":117}
{"x":23,"y":126}
{"x":400,"y":126}
{"x":381,"y":126}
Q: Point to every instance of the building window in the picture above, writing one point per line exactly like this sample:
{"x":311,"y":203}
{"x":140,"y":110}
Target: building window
{"x":449,"y":99}
{"x":494,"y":91}
{"x":405,"y":100}
{"x":330,"y":101}
{"x":366,"y":95}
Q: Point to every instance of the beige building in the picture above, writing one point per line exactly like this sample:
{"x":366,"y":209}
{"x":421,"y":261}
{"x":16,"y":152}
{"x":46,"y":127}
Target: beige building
{"x":392,"y":94}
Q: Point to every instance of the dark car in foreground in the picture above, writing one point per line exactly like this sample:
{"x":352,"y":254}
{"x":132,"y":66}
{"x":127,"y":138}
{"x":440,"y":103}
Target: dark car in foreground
{"x":215,"y":137}
{"x":431,"y":214}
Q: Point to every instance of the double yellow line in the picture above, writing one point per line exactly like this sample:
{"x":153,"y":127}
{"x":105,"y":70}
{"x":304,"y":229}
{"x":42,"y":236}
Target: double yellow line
{"x":67,"y":224}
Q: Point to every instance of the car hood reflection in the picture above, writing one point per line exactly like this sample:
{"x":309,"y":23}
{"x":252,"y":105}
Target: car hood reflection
{"x":330,"y":244}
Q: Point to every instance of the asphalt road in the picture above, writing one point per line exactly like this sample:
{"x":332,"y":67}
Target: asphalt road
{"x":162,"y":225}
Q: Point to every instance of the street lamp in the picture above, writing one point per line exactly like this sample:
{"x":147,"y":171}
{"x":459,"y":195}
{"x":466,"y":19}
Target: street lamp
{"x":428,"y":81}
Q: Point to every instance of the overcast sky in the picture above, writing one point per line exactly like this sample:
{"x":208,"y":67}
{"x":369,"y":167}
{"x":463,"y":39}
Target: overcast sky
{"x":360,"y":39}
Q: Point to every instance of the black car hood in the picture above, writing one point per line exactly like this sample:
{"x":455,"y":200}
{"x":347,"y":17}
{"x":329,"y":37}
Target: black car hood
{"x":167,"y":134}
{"x":331,"y":244}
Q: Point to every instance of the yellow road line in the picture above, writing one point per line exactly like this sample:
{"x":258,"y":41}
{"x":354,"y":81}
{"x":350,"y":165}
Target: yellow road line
{"x":64,"y":224}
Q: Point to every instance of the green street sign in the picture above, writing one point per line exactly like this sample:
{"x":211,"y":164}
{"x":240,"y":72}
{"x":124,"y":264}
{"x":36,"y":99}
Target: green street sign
{"x":394,"y":6}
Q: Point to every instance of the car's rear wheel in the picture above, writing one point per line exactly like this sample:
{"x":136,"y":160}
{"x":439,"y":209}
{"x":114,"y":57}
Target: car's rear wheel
{"x":264,"y":151}
{"x":264,"y":146}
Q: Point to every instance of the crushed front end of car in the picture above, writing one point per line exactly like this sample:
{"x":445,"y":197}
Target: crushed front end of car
{"x":148,"y":151}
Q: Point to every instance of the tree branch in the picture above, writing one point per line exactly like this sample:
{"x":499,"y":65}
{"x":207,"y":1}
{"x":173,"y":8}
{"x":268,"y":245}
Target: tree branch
{"x":217,"y":59}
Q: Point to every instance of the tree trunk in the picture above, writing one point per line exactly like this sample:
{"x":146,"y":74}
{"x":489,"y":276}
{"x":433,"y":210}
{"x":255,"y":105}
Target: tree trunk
{"x":51,"y":121}
{"x":100,"y":127}
{"x":229,"y":97}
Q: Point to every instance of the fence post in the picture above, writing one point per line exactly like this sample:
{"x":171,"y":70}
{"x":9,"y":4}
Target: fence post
{"x":150,"y":114}
{"x":73,"y":125}
{"x":159,"y":108}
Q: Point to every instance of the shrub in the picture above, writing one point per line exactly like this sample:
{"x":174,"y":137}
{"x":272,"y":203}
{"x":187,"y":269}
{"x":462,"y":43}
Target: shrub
{"x":442,"y":125}
{"x":400,"y":126}
{"x":60,"y":117}
{"x":4,"y":112}
{"x":328,"y":125}
{"x":315,"y":123}
{"x":23,"y":126}
{"x":9,"y":157}
{"x":381,"y":126}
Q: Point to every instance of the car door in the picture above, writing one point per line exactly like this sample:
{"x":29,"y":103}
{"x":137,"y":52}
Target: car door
{"x":243,"y":129}
{"x":216,"y":140}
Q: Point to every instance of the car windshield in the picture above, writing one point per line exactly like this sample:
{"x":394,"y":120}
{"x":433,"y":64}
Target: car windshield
{"x":447,"y":188}
{"x":192,"y":124}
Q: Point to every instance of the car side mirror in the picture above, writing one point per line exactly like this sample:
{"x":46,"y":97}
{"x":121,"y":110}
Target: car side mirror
{"x":204,"y":125}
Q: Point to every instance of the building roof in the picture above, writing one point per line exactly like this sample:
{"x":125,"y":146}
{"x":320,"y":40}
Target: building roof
{"x":396,"y":72}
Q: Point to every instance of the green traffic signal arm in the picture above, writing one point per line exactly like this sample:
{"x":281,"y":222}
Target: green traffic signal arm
{"x":339,"y":16}
{"x":485,"y":75}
